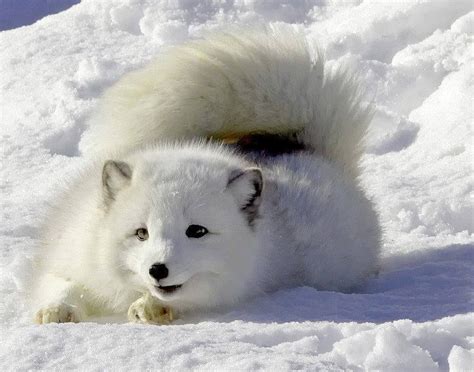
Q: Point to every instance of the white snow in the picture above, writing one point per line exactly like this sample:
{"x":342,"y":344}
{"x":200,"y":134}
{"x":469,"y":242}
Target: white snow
{"x":416,"y":60}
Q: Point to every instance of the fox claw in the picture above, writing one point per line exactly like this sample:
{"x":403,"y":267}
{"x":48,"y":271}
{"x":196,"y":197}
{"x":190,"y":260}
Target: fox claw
{"x":145,"y":310}
{"x":62,"y":313}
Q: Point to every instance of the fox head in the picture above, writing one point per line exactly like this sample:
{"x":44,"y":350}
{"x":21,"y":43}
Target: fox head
{"x":181,"y":224}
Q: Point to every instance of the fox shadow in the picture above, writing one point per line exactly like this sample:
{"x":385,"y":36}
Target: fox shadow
{"x":419,"y":286}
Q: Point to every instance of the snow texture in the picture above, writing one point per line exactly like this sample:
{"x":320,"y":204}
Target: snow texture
{"x":415,"y":58}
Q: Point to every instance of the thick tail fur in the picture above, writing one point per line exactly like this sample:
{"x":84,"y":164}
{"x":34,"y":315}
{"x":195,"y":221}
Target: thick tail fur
{"x":233,"y":84}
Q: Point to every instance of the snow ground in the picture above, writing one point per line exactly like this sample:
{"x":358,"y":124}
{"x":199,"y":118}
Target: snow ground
{"x":416,"y":58}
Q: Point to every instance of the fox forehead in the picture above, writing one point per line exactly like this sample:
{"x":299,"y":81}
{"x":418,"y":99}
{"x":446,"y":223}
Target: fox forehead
{"x":183,"y":189}
{"x":182,"y":175}
{"x":177,"y":197}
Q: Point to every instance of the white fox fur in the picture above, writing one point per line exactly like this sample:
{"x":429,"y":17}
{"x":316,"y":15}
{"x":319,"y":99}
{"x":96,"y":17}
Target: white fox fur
{"x":233,"y":83}
{"x":269,"y":223}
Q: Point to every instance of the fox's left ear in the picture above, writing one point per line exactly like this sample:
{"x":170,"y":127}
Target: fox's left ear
{"x":115,"y":176}
{"x":246,"y":185}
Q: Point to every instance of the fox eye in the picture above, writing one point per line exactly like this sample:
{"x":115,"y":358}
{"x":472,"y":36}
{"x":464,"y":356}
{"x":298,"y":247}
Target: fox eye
{"x":141,"y":234}
{"x":196,"y":231}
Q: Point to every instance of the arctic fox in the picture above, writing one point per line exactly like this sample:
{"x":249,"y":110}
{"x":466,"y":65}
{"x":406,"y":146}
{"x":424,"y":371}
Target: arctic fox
{"x":168,"y":218}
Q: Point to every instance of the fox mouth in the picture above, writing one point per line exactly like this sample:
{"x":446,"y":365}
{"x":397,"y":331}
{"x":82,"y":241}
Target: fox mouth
{"x":168,"y":288}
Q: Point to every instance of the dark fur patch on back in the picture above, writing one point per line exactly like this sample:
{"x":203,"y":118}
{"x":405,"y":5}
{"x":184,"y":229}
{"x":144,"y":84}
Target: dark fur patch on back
{"x":264,"y":144}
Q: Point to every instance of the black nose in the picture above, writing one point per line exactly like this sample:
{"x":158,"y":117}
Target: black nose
{"x":158,"y":271}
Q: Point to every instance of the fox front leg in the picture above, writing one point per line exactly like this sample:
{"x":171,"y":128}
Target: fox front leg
{"x":147,"y":310}
{"x":59,"y":301}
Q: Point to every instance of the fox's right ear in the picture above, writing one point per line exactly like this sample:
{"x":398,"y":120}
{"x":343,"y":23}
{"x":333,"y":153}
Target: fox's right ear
{"x":246,"y":185}
{"x":115,"y":176}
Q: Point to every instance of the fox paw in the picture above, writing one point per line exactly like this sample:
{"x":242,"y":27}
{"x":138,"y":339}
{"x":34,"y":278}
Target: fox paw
{"x":61,"y":313}
{"x":146,"y":310}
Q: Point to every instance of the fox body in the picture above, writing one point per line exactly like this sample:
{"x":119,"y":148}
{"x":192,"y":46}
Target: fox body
{"x":161,"y":218}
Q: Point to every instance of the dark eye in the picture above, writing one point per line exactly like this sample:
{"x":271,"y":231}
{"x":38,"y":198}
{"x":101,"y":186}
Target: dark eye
{"x":141,"y":234}
{"x":196,"y":231}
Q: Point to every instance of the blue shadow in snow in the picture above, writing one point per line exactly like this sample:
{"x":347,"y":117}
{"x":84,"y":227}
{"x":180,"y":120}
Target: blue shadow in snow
{"x":423,"y":287}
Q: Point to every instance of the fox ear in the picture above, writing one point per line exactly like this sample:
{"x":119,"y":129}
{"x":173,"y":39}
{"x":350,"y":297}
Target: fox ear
{"x":115,"y":176}
{"x":246,"y":185}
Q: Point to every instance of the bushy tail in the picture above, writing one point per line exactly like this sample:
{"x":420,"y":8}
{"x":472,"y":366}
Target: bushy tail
{"x":233,"y":84}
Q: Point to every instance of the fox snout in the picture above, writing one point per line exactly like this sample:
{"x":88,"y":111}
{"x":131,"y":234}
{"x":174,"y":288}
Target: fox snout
{"x":158,"y":271}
